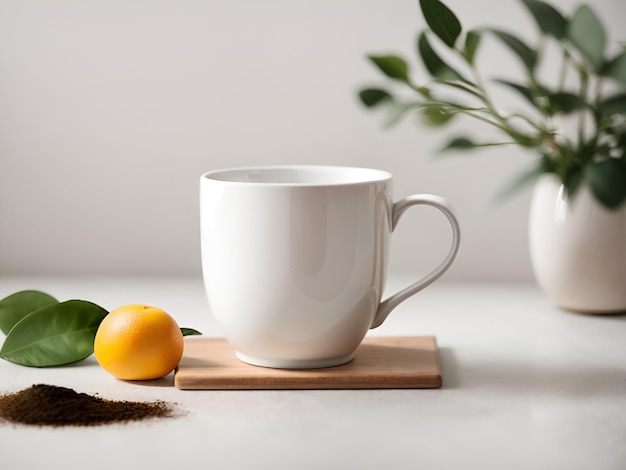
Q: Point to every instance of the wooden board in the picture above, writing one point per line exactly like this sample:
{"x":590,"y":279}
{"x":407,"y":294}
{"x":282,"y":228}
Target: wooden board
{"x":380,"y":362}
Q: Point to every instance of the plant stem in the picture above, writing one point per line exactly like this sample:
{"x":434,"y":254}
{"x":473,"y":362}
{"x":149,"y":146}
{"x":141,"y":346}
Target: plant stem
{"x":543,"y":130}
{"x":584,"y":85}
{"x":563,"y":71}
{"x":480,"y":94}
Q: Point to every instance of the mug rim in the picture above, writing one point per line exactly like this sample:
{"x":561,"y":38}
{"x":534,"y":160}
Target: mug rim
{"x":316,"y":175}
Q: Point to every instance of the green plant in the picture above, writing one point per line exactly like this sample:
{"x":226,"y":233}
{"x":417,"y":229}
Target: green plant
{"x":596,"y":152}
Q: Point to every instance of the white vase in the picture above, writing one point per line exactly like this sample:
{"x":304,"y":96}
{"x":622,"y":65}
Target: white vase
{"x":577,"y":249}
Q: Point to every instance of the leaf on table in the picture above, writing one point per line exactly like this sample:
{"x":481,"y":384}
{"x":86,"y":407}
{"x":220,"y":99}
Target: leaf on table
{"x":16,"y":306}
{"x":55,"y":335}
{"x":190,"y":332}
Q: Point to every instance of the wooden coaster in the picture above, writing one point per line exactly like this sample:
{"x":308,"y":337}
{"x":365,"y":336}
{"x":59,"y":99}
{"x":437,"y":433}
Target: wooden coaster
{"x":380,"y":362}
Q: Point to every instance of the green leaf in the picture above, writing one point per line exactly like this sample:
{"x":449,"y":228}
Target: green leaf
{"x":441,"y":21}
{"x":190,"y":332}
{"x":459,"y":143}
{"x":523,"y":139}
{"x":523,"y":90}
{"x":524,"y":52}
{"x":396,"y":112}
{"x":436,"y":115}
{"x":54,"y":335}
{"x":393,"y":66}
{"x":613,"y":105}
{"x":564,"y":102}
{"x":371,"y":97}
{"x":607,"y":179}
{"x":464,"y":143}
{"x":433,"y":63}
{"x":472,"y":39}
{"x":587,"y":34}
{"x":616,"y":68}
{"x":573,"y":179}
{"x":549,"y":20}
{"x":16,"y":306}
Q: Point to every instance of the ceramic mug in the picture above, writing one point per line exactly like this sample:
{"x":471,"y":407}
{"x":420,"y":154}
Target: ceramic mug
{"x":294,"y":259}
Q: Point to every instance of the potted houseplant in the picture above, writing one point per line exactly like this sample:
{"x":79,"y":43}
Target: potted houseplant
{"x":577,"y":222}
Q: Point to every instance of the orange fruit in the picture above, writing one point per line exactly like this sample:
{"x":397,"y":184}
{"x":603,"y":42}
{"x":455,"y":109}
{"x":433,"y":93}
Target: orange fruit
{"x":138,"y":342}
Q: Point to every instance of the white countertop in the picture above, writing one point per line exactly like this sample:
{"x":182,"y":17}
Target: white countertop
{"x":526,"y":386}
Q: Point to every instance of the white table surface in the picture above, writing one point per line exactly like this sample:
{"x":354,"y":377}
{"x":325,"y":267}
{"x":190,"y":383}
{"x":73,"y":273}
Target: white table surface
{"x":526,"y":386}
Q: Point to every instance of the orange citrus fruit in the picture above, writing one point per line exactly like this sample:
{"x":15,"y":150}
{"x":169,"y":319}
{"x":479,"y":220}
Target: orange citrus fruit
{"x":138,"y":342}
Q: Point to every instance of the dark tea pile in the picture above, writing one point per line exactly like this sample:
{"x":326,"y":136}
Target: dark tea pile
{"x":49,"y":405}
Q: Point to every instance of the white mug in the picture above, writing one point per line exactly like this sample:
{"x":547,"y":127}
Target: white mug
{"x":294,"y":259}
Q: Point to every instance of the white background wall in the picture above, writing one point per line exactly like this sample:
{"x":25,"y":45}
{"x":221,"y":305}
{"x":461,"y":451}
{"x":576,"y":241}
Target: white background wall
{"x":111,"y":109}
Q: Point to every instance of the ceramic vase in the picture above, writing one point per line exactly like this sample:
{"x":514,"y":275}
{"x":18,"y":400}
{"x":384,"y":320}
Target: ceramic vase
{"x":577,"y":249}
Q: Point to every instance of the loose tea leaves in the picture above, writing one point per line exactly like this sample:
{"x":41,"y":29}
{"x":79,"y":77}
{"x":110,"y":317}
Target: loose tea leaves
{"x":43,"y":332}
{"x":49,"y":405}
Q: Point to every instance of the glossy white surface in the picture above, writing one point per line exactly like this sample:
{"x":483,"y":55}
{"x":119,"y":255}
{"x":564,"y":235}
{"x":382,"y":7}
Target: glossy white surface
{"x":578,"y":249}
{"x":295,"y":258}
{"x":526,"y":386}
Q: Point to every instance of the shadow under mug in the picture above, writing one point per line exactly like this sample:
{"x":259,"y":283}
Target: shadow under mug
{"x":294,"y":259}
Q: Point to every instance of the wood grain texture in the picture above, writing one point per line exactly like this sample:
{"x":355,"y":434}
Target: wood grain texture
{"x":380,"y":362}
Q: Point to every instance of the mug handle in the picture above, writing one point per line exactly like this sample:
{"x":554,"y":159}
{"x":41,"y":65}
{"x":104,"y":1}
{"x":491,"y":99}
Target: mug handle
{"x":385,"y":307}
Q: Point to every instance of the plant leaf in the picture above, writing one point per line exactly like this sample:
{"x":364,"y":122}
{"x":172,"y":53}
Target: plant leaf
{"x":613,"y":105}
{"x":572,"y":181}
{"x":586,"y":33}
{"x":371,"y":97}
{"x":616,"y":68}
{"x":523,"y":90}
{"x":54,"y":335}
{"x":436,"y":115}
{"x":549,"y":20}
{"x":441,"y":21}
{"x":607,"y":179}
{"x":393,"y":66}
{"x":433,"y":63}
{"x":16,"y":306}
{"x":396,"y":112}
{"x":459,"y":143}
{"x":524,"y":52}
{"x":472,"y":39}
{"x":464,"y":143}
{"x":564,"y":102}
{"x":190,"y":332}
